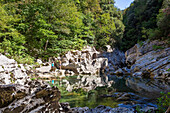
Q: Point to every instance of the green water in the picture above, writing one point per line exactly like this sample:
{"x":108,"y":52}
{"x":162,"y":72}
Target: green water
{"x":91,"y":102}
{"x":80,"y":98}
{"x":89,"y":99}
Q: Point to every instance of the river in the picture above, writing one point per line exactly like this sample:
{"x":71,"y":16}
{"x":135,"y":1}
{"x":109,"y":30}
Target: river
{"x":103,"y":90}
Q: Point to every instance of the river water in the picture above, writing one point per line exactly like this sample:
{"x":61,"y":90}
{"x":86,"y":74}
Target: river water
{"x":109,"y":85}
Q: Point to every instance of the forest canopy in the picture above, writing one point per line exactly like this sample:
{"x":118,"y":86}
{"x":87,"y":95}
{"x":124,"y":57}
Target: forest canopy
{"x":146,"y":19}
{"x":45,"y":28}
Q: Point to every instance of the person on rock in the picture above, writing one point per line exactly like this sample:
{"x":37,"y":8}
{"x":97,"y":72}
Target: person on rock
{"x":52,"y":66}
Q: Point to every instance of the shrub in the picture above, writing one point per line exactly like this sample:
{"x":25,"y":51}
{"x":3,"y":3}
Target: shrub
{"x":163,"y":102}
{"x":155,"y":47}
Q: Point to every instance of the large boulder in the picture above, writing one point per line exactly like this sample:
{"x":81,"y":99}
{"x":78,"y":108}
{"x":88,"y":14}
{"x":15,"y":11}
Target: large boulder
{"x":11,"y":72}
{"x":34,"y":96}
{"x":85,"y":61}
{"x":151,"y":58}
{"x":116,"y":60}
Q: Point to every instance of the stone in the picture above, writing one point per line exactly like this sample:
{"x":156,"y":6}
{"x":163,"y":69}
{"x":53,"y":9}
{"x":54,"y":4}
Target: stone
{"x":5,"y":78}
{"x":45,"y":76}
{"x":20,"y":94}
{"x":39,"y":61}
{"x":116,"y":60}
{"x":101,"y":109}
{"x":24,"y":98}
{"x":21,"y":66}
{"x":1,"y":69}
{"x":137,"y":74}
{"x":119,"y":72}
{"x":148,"y":88}
{"x":109,"y":48}
{"x":65,"y":107}
{"x":85,"y":61}
{"x":5,"y":61}
{"x":124,"y":97}
{"x":43,"y":69}
{"x":148,"y":109}
{"x":151,"y":62}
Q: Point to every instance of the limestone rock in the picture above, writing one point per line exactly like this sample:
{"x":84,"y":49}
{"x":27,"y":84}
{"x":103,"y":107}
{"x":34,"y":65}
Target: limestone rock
{"x":116,"y":60}
{"x":19,"y":94}
{"x":119,"y":72}
{"x":148,"y":88}
{"x":83,"y":62}
{"x":11,"y":71}
{"x":138,"y":74}
{"x":39,"y":61}
{"x":149,"y":60}
{"x":43,"y":69}
{"x":109,"y":48}
{"x":1,"y":69}
{"x":34,"y":96}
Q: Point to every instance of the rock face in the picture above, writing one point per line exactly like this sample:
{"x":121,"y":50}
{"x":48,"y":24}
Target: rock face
{"x":150,"y":58}
{"x":83,"y":62}
{"x":11,"y":72}
{"x":116,"y":60}
{"x":20,"y":94}
{"x":34,"y":96}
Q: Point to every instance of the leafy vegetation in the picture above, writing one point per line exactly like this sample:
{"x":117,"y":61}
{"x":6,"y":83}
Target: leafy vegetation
{"x":155,"y":47}
{"x":146,"y":19}
{"x":163,"y":102}
{"x":43,"y":28}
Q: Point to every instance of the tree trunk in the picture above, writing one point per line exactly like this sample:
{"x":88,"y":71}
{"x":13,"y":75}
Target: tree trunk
{"x":46,"y":45}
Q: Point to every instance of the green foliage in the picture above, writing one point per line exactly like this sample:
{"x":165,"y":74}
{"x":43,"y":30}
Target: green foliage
{"x":163,"y":102}
{"x":140,"y":20}
{"x":33,"y":79}
{"x":155,"y":47}
{"x":163,"y":19}
{"x":140,"y":43}
{"x":45,"y":28}
{"x":23,"y":59}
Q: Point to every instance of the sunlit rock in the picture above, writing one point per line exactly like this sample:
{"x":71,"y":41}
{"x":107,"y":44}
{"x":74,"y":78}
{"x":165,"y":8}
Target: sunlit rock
{"x":151,"y":58}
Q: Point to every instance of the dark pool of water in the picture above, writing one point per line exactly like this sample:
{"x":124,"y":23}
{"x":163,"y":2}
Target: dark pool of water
{"x":144,"y":87}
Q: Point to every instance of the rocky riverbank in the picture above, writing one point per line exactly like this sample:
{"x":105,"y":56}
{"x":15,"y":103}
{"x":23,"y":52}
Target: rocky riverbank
{"x":20,"y":94}
{"x":148,"y":60}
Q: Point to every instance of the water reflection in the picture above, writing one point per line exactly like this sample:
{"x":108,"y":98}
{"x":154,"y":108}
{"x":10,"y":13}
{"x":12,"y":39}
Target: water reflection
{"x":97,"y":86}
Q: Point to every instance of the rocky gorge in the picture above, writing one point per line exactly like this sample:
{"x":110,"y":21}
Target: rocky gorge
{"x":24,"y":87}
